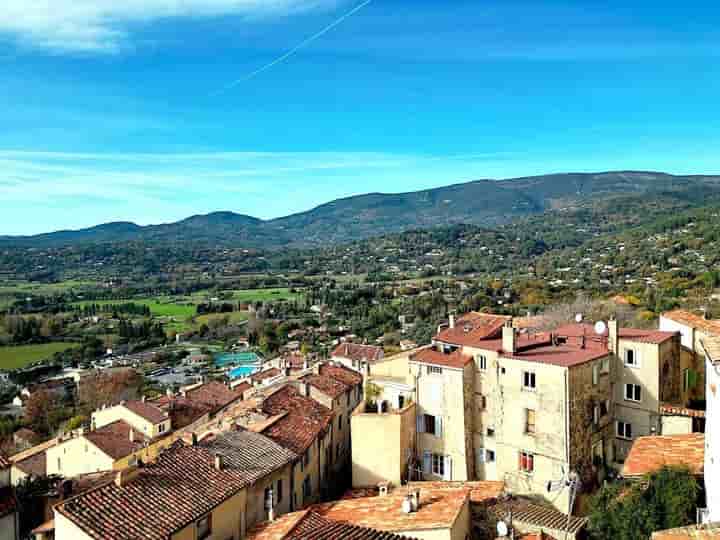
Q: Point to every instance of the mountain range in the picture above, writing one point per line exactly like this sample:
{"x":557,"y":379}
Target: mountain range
{"x":480,"y":202}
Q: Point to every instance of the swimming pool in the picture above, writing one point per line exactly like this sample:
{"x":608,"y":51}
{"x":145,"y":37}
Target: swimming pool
{"x":242,"y":364}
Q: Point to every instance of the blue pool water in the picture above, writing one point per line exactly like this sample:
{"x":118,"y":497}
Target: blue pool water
{"x":241,"y":371}
{"x":242,"y":364}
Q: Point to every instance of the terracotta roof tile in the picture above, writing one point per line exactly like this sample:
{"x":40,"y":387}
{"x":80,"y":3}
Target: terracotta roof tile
{"x":681,"y":316}
{"x":265,"y":374}
{"x":432,"y":356}
{"x":342,"y":374}
{"x":114,"y":439}
{"x":356,"y":351}
{"x":678,"y":410}
{"x":473,"y":328}
{"x":649,"y":454}
{"x":214,"y":393}
{"x":305,"y":421}
{"x":180,"y":487}
{"x":327,"y":385}
{"x":146,"y":410}
{"x":712,"y":348}
{"x":536,"y":515}
{"x":708,"y":531}
{"x":481,"y":491}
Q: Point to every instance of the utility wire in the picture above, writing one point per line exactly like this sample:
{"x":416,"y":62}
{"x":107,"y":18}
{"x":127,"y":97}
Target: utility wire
{"x":292,"y":51}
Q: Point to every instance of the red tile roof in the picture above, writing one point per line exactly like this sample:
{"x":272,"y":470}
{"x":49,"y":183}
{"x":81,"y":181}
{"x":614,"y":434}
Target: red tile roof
{"x":563,"y":355}
{"x":678,"y":410}
{"x":473,"y":328}
{"x":356,"y":351}
{"x":709,"y":326}
{"x":481,"y":491}
{"x":242,"y":387}
{"x":309,"y":525}
{"x":649,"y":454}
{"x":183,"y":411}
{"x":640,"y":335}
{"x":305,"y":421}
{"x":148,"y":411}
{"x":114,"y":439}
{"x":327,"y":385}
{"x":265,"y":374}
{"x":535,"y":515}
{"x":341,"y":373}
{"x":8,"y":502}
{"x":180,"y":487}
{"x":433,"y":356}
{"x":214,"y":393}
{"x":34,"y":464}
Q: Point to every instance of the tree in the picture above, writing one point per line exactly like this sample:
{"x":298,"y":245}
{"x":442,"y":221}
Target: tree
{"x":39,"y":410}
{"x":667,"y":499}
{"x":109,"y":388}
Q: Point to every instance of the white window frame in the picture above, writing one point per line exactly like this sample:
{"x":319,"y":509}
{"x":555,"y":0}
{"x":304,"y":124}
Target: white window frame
{"x":437,"y":465}
{"x":635,"y":392}
{"x":635,"y":364}
{"x":621,"y":430}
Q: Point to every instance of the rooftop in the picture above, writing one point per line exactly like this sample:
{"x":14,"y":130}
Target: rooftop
{"x":215,"y":394}
{"x":712,"y":348}
{"x":342,"y":374}
{"x":434,"y":357}
{"x":536,"y":515}
{"x":180,"y":487}
{"x":305,"y":421}
{"x":691,"y":532}
{"x":356,"y":351}
{"x":265,"y":374}
{"x":649,"y":454}
{"x":327,"y":385}
{"x":473,"y":328}
{"x":481,"y":491}
{"x":309,"y":525}
{"x":148,"y":411}
{"x":687,"y":318}
{"x":114,"y":439}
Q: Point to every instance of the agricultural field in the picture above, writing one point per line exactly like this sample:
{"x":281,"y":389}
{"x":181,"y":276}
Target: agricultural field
{"x":234,"y":317}
{"x":10,"y":291}
{"x":23,"y":355}
{"x":264,"y":295}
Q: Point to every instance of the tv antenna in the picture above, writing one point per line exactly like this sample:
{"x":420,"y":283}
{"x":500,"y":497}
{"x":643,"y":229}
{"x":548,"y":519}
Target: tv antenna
{"x":571,"y":482}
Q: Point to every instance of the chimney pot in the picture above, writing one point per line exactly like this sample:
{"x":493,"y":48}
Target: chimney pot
{"x":452,"y":320}
{"x":219,"y":462}
{"x":509,"y":338}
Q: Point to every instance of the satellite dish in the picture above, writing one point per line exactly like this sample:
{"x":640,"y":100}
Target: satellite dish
{"x":600,"y":327}
{"x":502,"y":528}
{"x":579,"y":318}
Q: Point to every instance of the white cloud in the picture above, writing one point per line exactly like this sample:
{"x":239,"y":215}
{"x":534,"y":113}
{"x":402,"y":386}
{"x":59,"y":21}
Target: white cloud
{"x":103,"y":26}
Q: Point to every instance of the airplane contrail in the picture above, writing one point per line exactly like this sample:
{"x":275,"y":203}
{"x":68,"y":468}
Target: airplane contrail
{"x":295,"y":49}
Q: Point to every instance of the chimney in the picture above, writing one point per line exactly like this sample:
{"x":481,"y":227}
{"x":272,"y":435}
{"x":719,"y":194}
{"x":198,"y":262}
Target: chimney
{"x":219,"y":462}
{"x":383,"y":489}
{"x":125,"y":476}
{"x":613,"y":335}
{"x":415,"y":499}
{"x":452,"y":320}
{"x":509,"y":338}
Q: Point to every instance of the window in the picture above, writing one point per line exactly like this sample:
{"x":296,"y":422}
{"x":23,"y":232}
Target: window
{"x":481,"y":362}
{"x":527,"y":462}
{"x":485,"y":456}
{"x":279,"y":490}
{"x":530,"y":421}
{"x":632,"y":392}
{"x":204,"y":527}
{"x":434,"y":370}
{"x":427,"y":423}
{"x":631,"y":358}
{"x":490,"y":432}
{"x":483,"y":402}
{"x":268,"y":498}
{"x":438,"y":465}
{"x":624,"y":430}
{"x":307,"y":487}
{"x":161,"y":428}
{"x":528,"y":380}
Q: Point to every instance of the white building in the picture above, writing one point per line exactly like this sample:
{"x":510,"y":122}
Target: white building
{"x":712,"y":429}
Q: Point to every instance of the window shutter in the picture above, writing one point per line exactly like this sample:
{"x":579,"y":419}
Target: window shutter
{"x":420,"y":423}
{"x":448,"y":468}
{"x":438,"y":426}
{"x":427,"y":462}
{"x":481,"y":455}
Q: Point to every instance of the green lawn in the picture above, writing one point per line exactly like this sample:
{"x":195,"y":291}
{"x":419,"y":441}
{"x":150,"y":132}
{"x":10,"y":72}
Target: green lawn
{"x":263,"y":295}
{"x":160,"y":306}
{"x":21,"y":356}
{"x":234,"y":317}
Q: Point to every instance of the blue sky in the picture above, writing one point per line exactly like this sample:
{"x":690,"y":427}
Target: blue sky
{"x":122,"y":110}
